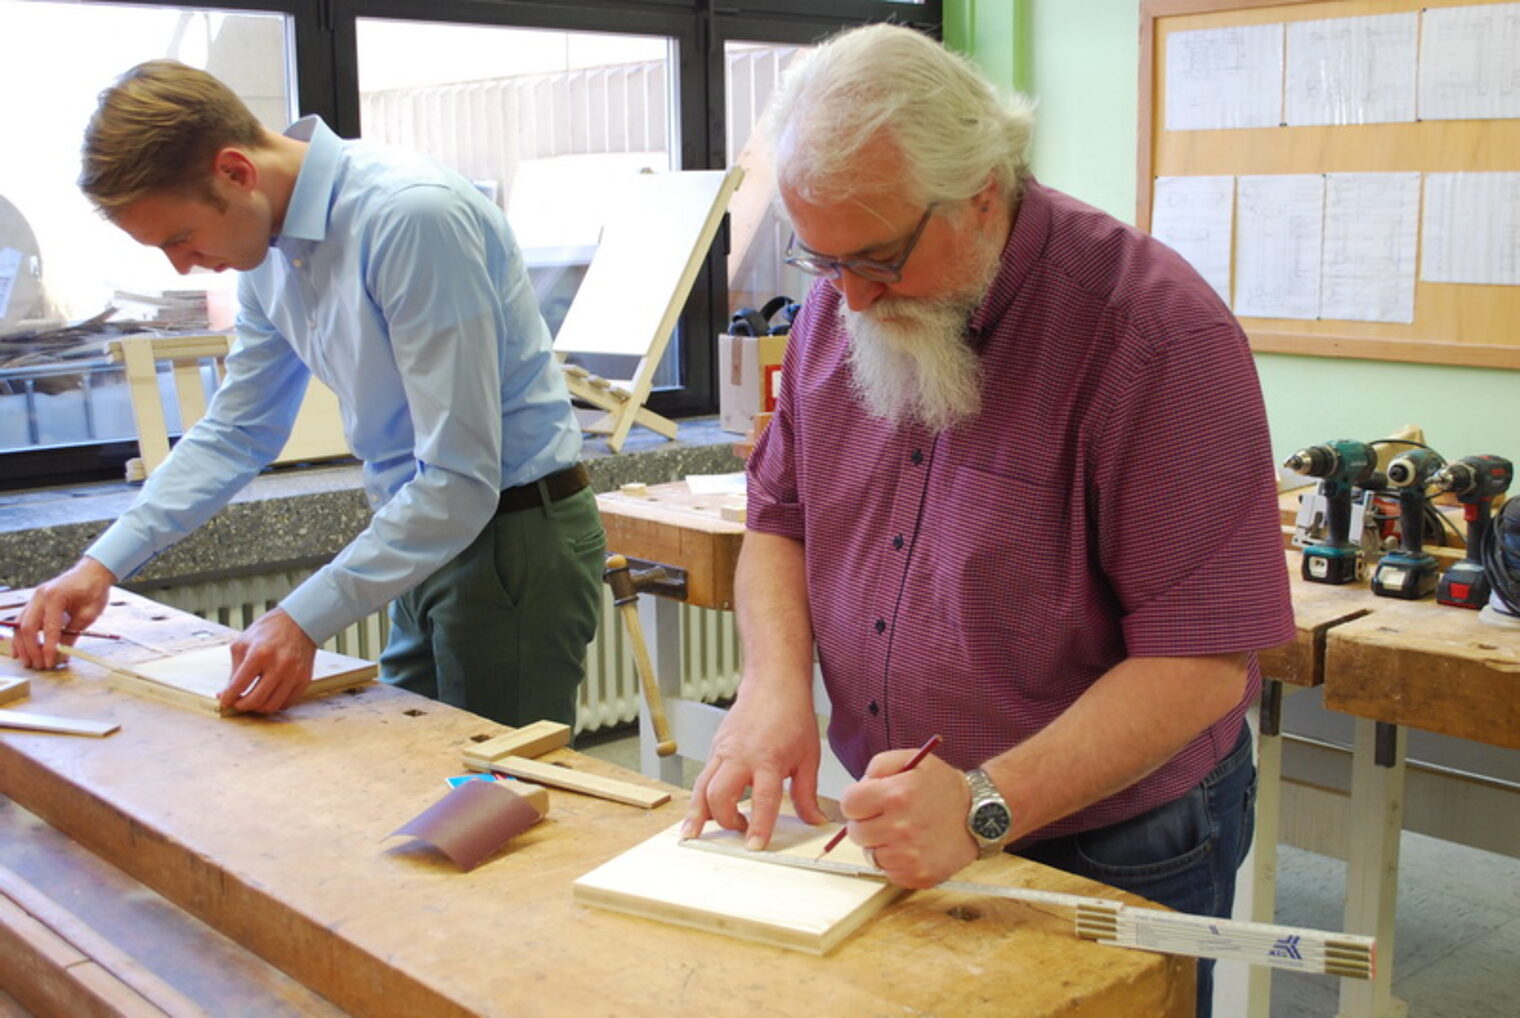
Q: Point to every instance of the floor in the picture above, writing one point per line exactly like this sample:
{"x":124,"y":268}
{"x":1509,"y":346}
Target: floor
{"x":1457,"y":945}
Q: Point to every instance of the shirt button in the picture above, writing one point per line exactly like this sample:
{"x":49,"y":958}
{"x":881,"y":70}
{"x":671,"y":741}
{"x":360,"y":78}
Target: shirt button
{"x":875,"y":709}
{"x":897,"y":543}
{"x":881,"y":626}
{"x":917,"y":457}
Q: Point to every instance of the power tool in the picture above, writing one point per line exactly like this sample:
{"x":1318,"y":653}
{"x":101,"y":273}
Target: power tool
{"x":1341,"y":465}
{"x":1476,"y":481}
{"x":1409,"y":571}
{"x":1502,"y":560}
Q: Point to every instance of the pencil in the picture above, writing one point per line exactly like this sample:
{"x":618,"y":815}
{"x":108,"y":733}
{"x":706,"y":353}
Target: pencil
{"x":918,"y":758}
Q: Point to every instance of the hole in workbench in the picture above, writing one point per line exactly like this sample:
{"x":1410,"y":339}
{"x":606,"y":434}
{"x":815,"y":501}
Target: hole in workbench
{"x":414,"y":713}
{"x":965,"y":913}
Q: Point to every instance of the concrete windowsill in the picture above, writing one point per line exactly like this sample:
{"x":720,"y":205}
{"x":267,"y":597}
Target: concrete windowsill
{"x":293,"y":517}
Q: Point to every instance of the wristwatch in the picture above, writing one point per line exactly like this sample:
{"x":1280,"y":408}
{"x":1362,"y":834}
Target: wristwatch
{"x":989,"y":819}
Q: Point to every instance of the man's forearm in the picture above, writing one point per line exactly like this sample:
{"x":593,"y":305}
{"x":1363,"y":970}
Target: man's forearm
{"x":1140,"y":714}
{"x":771,"y":605}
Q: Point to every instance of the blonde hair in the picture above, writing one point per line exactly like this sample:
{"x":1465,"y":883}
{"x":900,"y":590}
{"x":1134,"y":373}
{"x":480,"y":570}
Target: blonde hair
{"x":947,"y":120}
{"x":156,"y":130}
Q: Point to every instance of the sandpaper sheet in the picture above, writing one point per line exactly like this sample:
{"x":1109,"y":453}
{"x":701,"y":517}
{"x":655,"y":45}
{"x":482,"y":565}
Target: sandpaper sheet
{"x":472,"y":822}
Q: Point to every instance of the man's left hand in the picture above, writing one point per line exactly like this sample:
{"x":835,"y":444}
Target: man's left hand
{"x":912,"y":823}
{"x":271,"y":665}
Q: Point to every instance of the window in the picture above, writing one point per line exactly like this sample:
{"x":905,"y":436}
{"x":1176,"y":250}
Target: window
{"x":545,"y":122}
{"x":70,"y":281}
{"x":595,"y":86}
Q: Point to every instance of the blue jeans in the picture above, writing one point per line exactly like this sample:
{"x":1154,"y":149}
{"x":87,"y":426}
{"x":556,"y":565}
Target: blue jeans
{"x":1182,"y":854}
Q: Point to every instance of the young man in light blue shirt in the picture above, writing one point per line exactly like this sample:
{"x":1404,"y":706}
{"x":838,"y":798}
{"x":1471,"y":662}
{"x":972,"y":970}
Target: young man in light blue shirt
{"x":397,"y":284}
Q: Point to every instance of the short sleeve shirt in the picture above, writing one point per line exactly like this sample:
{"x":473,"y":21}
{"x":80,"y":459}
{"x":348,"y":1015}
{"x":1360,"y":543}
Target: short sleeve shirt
{"x":1113,"y":497}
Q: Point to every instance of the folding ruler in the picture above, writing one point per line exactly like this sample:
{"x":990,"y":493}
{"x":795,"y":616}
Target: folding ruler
{"x":1150,"y":929}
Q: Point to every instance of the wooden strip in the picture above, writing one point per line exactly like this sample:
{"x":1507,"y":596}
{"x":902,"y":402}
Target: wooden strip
{"x":61,"y":726}
{"x":580,"y":781}
{"x":530,"y":740}
{"x":147,"y":404}
{"x":14,"y":687}
{"x":49,"y":976}
{"x":111,"y":959}
{"x":130,"y":682}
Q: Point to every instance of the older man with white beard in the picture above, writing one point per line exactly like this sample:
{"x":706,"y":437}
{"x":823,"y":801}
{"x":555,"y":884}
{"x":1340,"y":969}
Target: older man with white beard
{"x":1018,"y":492}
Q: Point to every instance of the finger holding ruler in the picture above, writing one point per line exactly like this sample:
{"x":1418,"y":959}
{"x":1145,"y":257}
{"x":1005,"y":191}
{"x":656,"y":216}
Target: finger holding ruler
{"x":1110,"y":922}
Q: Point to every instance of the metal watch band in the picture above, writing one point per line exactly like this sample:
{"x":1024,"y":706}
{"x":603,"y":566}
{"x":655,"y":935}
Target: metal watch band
{"x":987,"y":804}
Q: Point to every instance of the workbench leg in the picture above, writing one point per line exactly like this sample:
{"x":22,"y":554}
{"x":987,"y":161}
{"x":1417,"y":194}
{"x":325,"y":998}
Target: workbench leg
{"x":660,"y":618}
{"x":1372,"y":866}
{"x":1263,"y":868}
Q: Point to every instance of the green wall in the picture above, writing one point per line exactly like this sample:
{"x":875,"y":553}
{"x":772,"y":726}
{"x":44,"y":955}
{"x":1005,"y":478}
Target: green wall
{"x":1080,"y":60}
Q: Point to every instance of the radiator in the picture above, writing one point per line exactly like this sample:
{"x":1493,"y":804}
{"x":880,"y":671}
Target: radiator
{"x":609,"y":696}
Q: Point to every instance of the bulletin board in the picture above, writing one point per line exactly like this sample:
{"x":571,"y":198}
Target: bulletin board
{"x":1454,"y":323}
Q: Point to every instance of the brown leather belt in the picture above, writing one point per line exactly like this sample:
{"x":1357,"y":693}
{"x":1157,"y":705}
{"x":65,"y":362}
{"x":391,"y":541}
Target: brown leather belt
{"x":561,"y":484}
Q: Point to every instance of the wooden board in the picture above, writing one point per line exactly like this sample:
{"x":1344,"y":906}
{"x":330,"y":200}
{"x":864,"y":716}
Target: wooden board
{"x":672,"y":526}
{"x":34,"y":722}
{"x":14,"y":687}
{"x":273,"y":831}
{"x":175,"y":657}
{"x":59,"y":965}
{"x":530,"y":741}
{"x":566,"y":777}
{"x":194,"y":678}
{"x":750,"y":899}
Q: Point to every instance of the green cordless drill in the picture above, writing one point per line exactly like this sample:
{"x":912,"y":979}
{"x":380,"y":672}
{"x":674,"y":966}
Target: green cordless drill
{"x":1340,"y":465}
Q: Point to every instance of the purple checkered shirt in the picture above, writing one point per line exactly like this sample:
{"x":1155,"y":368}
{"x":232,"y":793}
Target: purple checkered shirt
{"x":1114,"y":497}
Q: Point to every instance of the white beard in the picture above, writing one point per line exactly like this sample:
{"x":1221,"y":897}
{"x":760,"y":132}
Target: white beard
{"x":909,"y":357}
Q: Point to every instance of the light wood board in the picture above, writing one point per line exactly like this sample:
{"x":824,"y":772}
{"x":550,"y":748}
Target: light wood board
{"x":528,"y":741}
{"x":557,"y":776}
{"x":14,"y":688}
{"x":25,"y":719}
{"x":194,"y":678}
{"x":783,"y":906}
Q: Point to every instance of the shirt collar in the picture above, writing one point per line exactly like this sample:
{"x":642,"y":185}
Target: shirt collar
{"x":1025,"y":243}
{"x":306,"y":215}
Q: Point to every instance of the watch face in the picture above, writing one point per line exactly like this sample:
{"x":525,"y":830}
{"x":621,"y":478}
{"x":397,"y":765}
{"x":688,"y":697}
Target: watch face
{"x":991,"y":820}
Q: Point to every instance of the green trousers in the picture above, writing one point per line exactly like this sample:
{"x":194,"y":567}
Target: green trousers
{"x":502,"y":630}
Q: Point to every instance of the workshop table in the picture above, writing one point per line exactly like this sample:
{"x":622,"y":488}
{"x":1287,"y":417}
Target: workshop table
{"x":274,"y":831}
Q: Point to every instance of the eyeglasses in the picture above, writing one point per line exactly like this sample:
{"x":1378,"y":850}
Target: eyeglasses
{"x":865,"y":268}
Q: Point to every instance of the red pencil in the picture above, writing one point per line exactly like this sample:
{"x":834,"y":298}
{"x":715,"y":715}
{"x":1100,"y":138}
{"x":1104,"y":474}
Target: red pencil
{"x":918,"y":758}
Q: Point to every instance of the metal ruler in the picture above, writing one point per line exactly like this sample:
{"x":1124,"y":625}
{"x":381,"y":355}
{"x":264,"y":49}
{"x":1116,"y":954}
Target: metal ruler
{"x":1114,"y":923}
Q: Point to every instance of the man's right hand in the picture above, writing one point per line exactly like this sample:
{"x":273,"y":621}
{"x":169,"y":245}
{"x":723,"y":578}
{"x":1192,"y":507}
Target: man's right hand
{"x":71,"y":600}
{"x":763,"y":741}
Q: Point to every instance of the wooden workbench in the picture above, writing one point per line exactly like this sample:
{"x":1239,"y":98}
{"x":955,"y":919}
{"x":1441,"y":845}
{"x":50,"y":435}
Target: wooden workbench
{"x":671,"y":526}
{"x":273,"y":831}
{"x":1391,"y":664}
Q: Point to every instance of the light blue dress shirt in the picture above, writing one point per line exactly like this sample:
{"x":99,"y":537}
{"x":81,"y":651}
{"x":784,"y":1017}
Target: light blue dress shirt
{"x":400,"y":286}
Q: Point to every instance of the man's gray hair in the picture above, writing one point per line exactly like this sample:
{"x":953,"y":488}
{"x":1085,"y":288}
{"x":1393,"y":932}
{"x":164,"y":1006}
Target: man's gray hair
{"x":947,"y":119}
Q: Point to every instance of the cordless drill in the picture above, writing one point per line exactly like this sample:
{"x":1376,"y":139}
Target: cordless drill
{"x":1476,"y":481}
{"x":1340,"y":465}
{"x":1409,"y":571}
